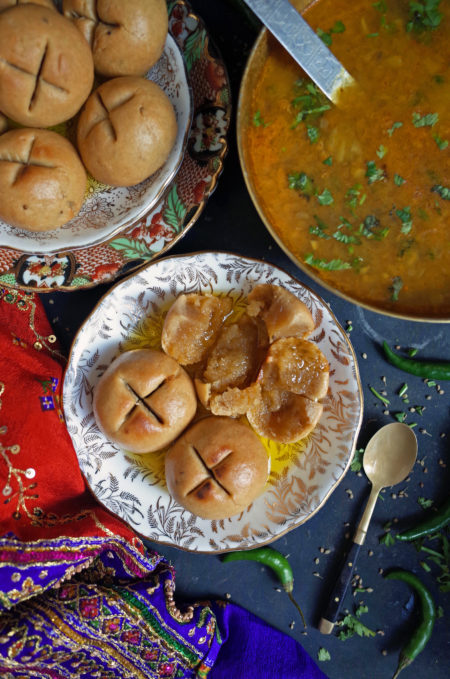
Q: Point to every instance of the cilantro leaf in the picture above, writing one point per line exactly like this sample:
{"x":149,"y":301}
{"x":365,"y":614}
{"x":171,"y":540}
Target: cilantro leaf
{"x":424,"y":503}
{"x":374,"y":173}
{"x":427,"y":120}
{"x":404,"y":215}
{"x":356,"y":464}
{"x":323,"y":655}
{"x":394,"y":127}
{"x":424,"y":15}
{"x":442,"y":191}
{"x":327,"y":265}
{"x":258,"y":120}
{"x":397,"y":285}
{"x":299,"y":181}
{"x":326,"y":197}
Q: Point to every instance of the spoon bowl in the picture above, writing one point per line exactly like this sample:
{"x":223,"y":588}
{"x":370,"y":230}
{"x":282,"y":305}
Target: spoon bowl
{"x":388,"y":459}
{"x":390,"y":455}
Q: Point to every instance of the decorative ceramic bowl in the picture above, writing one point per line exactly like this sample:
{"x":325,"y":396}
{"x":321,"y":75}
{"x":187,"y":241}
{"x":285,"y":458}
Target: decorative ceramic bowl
{"x":133,"y":487}
{"x":107,"y":210}
{"x":182,"y":203}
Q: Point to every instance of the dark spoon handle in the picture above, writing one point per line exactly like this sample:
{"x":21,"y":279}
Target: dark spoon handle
{"x":339,"y":590}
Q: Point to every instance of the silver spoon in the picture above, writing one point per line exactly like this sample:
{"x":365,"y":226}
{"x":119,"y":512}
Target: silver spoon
{"x":303,"y":44}
{"x":388,"y":459}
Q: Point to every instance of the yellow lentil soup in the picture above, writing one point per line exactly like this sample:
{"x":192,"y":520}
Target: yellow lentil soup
{"x":359,"y":194}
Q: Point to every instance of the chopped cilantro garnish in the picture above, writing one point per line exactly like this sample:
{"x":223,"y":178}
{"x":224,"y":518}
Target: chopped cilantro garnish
{"x":442,"y":143}
{"x":374,"y":173}
{"x":442,"y":191}
{"x":327,"y":265}
{"x":401,"y":417}
{"x":258,"y":121}
{"x":380,"y":396}
{"x":381,"y":151}
{"x":323,"y":655}
{"x":328,"y":161}
{"x":345,"y":238}
{"x":427,"y":120}
{"x":404,"y":215}
{"x":387,"y":539}
{"x":351,"y":625}
{"x":353,"y":195}
{"x":398,"y":180}
{"x":309,"y":101}
{"x":313,"y":133}
{"x":357,"y":461}
{"x":397,"y":285}
{"x":319,"y":229}
{"x":394,"y":127}
{"x":424,"y":15}
{"x":326,"y":35}
{"x":424,"y":503}
{"x":380,"y":6}
{"x":300,"y":181}
{"x":325,"y":198}
{"x":403,"y":389}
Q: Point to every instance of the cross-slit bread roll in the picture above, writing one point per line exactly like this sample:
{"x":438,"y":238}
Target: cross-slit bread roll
{"x":144,"y":400}
{"x":5,"y":4}
{"x":126,"y":38}
{"x":46,"y":66}
{"x":42,"y":179}
{"x":217,"y":468}
{"x":126,"y":131}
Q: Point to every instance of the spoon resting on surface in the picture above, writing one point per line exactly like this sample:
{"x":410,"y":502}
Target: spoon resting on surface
{"x":303,"y":44}
{"x":388,"y":459}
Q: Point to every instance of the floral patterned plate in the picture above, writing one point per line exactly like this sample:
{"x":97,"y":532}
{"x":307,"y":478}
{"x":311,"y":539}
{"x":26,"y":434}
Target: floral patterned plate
{"x":303,"y":475}
{"x":107,"y":210}
{"x":74,"y":265}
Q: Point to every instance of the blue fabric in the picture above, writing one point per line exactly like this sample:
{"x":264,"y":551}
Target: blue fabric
{"x":252,"y":649}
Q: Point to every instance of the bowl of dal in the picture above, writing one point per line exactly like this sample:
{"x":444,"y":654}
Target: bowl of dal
{"x":358,"y":193}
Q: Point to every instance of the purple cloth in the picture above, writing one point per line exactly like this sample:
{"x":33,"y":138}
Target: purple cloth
{"x":252,"y":649}
{"x":98,"y":607}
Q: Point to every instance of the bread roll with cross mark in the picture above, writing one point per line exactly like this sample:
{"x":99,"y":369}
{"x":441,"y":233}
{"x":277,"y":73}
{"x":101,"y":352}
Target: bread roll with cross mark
{"x":217,"y":468}
{"x":126,"y":38}
{"x":46,"y":66}
{"x":5,"y":4}
{"x":42,"y":179}
{"x":126,"y":131}
{"x":143,"y":400}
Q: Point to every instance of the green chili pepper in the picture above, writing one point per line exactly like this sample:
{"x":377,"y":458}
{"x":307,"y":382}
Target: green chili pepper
{"x":429,"y":525}
{"x":422,"y":633}
{"x":276,"y":561}
{"x":439,"y":370}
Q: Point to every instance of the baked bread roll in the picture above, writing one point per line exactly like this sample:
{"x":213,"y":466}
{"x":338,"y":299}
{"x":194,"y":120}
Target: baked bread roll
{"x":126,"y":38}
{"x":46,"y":66}
{"x":126,"y":131}
{"x":217,"y":468}
{"x":4,"y":4}
{"x":42,"y":180}
{"x":144,"y":400}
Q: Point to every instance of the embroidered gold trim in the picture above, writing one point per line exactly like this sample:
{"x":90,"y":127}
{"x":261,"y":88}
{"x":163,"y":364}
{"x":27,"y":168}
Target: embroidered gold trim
{"x":95,"y":644}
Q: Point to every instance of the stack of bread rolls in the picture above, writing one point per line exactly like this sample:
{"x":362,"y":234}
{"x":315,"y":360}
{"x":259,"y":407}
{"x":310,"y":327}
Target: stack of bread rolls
{"x":125,"y":127}
{"x":218,"y":385}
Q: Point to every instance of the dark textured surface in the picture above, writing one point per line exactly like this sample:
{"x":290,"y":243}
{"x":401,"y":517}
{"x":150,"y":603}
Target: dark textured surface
{"x":315,"y":549}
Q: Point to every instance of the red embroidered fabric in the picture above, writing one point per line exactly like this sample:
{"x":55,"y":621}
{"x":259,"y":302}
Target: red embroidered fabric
{"x":42,"y":491}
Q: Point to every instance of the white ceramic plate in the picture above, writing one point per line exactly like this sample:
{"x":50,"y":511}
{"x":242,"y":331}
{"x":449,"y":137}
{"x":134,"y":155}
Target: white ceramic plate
{"x":108,"y":210}
{"x":133,"y":487}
